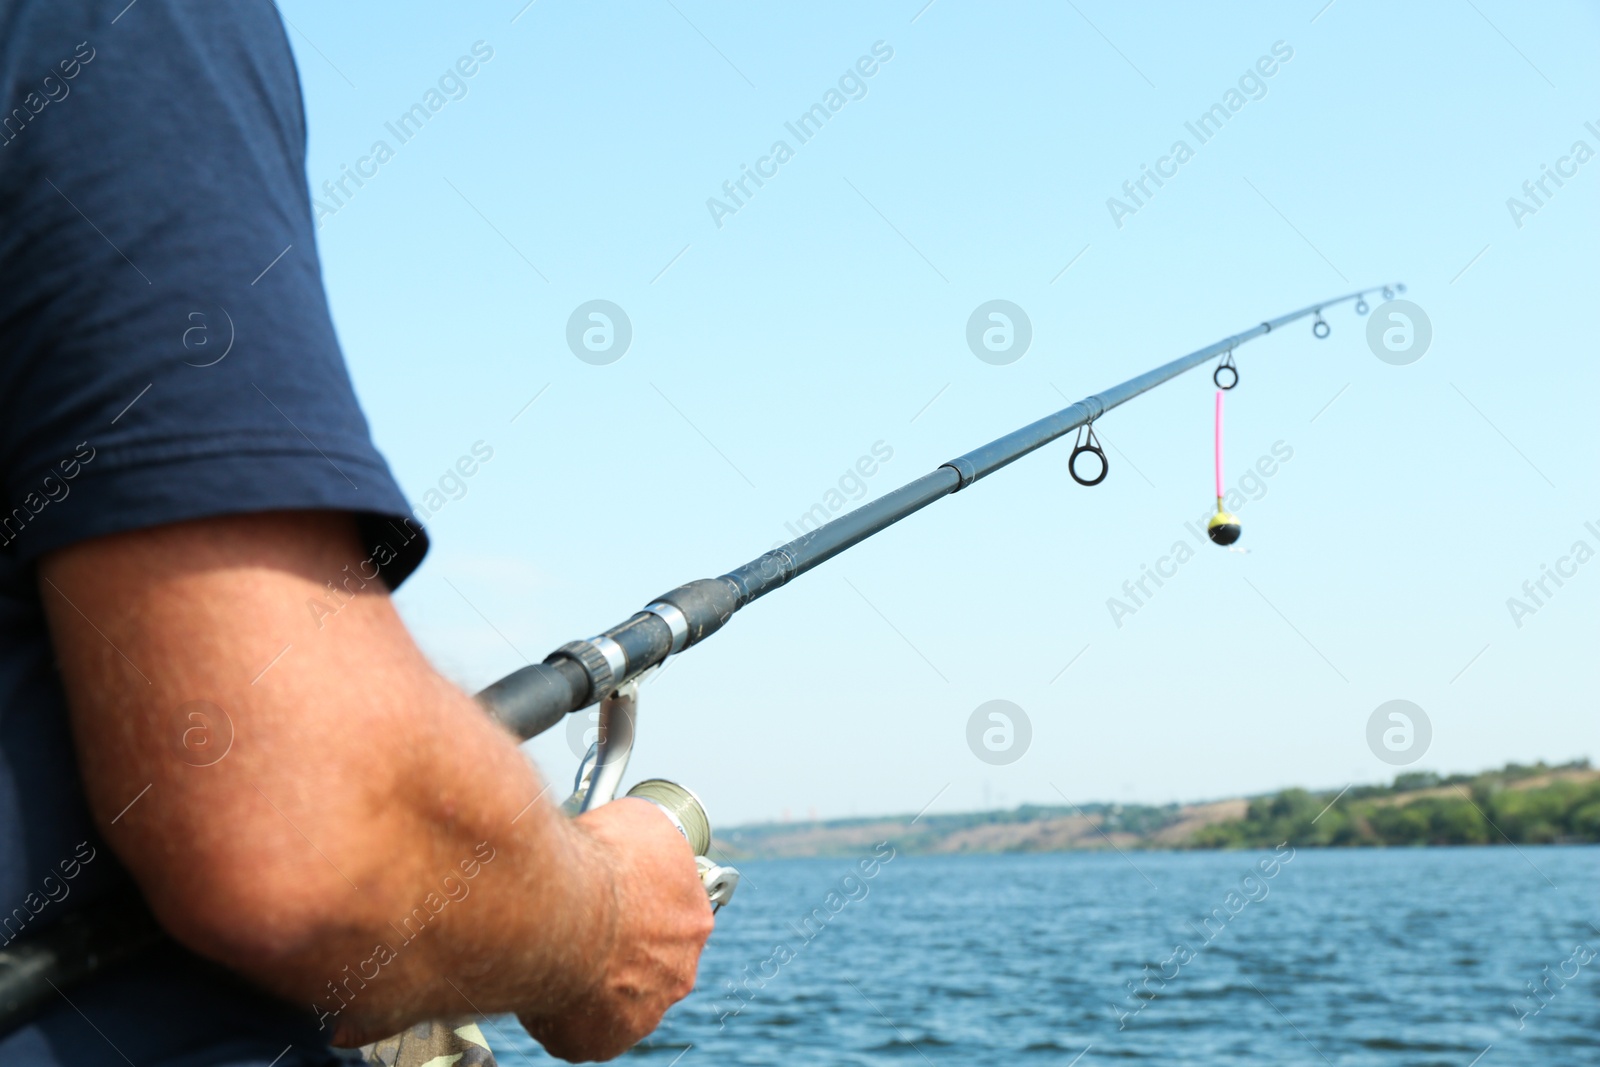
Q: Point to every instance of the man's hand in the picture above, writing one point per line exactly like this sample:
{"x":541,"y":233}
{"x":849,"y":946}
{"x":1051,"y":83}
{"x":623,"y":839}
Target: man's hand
{"x":340,"y":824}
{"x":662,"y":919}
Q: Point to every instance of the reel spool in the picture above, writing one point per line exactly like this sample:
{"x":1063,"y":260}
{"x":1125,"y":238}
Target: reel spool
{"x":682,"y":807}
{"x":688,"y":814}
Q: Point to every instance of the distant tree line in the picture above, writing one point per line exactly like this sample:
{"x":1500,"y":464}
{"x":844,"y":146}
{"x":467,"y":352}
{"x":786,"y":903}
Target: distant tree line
{"x":1460,"y":809}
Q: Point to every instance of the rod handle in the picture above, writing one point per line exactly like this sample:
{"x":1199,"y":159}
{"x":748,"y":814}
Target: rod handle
{"x":537,"y":697}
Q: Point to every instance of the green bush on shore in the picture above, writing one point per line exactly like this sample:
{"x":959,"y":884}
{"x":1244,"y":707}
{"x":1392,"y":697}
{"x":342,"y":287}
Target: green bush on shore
{"x":1480,"y":809}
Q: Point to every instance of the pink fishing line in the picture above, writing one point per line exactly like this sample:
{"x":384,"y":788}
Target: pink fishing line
{"x":1219,"y":444}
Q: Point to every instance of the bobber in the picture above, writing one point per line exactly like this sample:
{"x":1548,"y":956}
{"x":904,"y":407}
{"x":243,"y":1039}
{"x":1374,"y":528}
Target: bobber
{"x":1224,"y":528}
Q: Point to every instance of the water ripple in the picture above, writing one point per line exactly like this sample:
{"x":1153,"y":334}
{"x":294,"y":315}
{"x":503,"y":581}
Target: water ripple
{"x":1399,"y":958}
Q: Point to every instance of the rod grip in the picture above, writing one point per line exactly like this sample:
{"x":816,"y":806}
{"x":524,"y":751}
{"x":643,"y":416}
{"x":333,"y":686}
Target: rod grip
{"x":537,"y":697}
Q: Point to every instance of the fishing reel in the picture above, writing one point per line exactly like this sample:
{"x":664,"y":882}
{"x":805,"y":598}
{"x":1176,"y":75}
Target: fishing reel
{"x":600,"y":775}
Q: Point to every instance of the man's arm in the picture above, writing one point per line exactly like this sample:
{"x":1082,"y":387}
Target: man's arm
{"x":326,"y":856}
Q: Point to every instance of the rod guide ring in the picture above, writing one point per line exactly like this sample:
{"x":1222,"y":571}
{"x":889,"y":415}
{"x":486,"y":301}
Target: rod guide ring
{"x":1228,"y":365}
{"x":1091,"y":445}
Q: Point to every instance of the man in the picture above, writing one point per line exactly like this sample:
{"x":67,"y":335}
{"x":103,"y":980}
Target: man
{"x":339,"y":843}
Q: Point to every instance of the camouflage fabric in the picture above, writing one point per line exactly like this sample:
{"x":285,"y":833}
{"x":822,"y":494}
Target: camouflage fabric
{"x":441,"y":1043}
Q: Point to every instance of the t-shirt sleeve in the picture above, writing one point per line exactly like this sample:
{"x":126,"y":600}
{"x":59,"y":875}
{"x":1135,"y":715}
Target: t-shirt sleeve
{"x":166,"y":349}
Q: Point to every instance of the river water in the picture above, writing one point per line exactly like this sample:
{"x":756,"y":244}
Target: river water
{"x":1349,"y":957}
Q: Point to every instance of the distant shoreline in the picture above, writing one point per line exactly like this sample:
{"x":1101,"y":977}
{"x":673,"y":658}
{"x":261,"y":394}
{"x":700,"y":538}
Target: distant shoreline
{"x":1516,"y":805}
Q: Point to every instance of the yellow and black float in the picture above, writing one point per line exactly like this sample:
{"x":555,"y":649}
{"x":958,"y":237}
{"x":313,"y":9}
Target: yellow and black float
{"x":1224,"y":528}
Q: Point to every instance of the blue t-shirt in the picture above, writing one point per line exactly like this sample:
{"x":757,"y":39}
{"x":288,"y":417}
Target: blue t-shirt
{"x":166,"y":353}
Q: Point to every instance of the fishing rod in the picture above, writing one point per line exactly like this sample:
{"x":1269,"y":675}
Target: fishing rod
{"x":581,"y":673}
{"x":607,"y":668}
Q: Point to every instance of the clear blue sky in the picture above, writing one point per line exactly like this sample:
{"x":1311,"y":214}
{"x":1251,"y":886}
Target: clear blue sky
{"x":769,"y":354}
